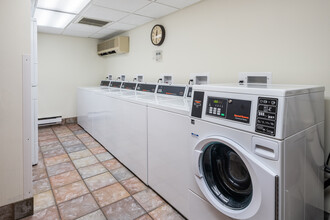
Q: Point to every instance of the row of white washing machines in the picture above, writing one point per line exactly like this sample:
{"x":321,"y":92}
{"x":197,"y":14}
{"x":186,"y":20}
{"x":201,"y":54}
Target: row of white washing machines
{"x":216,"y":151}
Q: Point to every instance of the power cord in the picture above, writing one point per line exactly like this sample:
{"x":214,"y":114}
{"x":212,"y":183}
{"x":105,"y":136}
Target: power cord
{"x":327,"y":170}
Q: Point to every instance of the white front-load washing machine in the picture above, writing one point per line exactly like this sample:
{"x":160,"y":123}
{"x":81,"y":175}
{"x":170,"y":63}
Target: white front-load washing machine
{"x":257,"y":152}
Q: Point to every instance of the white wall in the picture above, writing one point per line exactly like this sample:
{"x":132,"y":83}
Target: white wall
{"x":65,"y":63}
{"x":291,"y":39}
{"x":15,"y":41}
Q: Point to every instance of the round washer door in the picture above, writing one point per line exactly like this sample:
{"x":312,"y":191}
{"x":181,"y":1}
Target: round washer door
{"x":232,"y":180}
{"x":226,"y":175}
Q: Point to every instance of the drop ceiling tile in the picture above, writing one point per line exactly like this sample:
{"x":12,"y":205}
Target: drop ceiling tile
{"x":135,"y":19}
{"x":76,"y":33}
{"x":123,"y":5}
{"x":71,"y":6}
{"x":104,"y":14}
{"x":121,"y":26}
{"x":178,"y":3}
{"x":156,"y":10}
{"x":83,"y":27}
{"x":105,"y":33}
{"x":49,"y":30}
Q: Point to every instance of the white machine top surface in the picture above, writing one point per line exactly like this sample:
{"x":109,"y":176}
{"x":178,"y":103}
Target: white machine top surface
{"x":260,"y":89}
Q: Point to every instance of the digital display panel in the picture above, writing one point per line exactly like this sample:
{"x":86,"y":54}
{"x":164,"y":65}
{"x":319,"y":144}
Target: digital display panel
{"x":232,"y":109}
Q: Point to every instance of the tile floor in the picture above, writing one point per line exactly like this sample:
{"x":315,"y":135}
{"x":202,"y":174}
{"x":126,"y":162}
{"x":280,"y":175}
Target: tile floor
{"x":76,"y":178}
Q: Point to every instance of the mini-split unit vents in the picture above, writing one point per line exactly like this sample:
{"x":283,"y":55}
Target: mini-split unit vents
{"x":116,"y":45}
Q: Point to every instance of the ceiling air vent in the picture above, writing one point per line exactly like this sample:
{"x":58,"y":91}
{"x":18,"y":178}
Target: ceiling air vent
{"x":93,"y":22}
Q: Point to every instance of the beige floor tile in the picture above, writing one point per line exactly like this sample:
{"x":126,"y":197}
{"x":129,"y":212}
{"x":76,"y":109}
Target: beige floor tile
{"x":87,"y":140}
{"x":60,"y":168}
{"x":43,"y":200}
{"x":110,"y":194}
{"x":50,"y":213}
{"x":75,"y":148}
{"x":133,"y":185}
{"x":46,"y":137}
{"x":74,"y":127}
{"x":99,"y":181}
{"x":56,"y":160}
{"x":71,"y":137}
{"x":64,"y":179}
{"x":80,"y":154}
{"x":50,"y":147}
{"x":92,"y":144}
{"x":48,"y":142}
{"x":53,"y":152}
{"x":70,"y":191}
{"x":165,"y":212}
{"x":97,"y":215}
{"x":92,"y":170}
{"x":70,"y":143}
{"x":83,"y":162}
{"x":98,"y":150}
{"x":64,"y":134}
{"x":40,"y":186}
{"x":148,"y":199}
{"x":38,"y":173}
{"x":112,"y":164}
{"x":121,"y":174}
{"x":104,"y":156}
{"x":77,"y":207}
{"x":124,"y":209}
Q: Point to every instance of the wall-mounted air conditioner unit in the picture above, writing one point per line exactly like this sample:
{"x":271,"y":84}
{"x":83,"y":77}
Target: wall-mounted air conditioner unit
{"x":116,"y":45}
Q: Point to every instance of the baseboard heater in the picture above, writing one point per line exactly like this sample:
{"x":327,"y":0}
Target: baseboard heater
{"x":50,"y":121}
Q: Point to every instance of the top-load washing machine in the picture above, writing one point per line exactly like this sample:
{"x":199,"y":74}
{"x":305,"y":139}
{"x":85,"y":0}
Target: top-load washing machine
{"x":257,"y":152}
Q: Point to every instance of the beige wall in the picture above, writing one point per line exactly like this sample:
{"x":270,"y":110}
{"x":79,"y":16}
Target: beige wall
{"x":15,"y":41}
{"x":65,"y":63}
{"x":291,"y":39}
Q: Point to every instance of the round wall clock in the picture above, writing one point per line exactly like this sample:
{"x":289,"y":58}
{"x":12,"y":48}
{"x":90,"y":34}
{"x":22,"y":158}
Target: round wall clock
{"x":158,"y":35}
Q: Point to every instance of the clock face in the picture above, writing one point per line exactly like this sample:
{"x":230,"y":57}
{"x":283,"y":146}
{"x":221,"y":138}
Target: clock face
{"x":158,"y":35}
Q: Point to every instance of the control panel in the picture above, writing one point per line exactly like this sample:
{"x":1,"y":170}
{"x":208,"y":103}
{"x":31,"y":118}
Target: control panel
{"x":115,"y":84}
{"x":128,"y":85}
{"x":105,"y":83}
{"x":266,"y":116}
{"x":142,"y":87}
{"x":189,"y":94}
{"x":231,"y":109}
{"x":171,"y":90}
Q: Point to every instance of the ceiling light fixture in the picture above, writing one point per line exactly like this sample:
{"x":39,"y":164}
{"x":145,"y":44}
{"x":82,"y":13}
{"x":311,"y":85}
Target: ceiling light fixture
{"x":69,"y":6}
{"x":52,"y":18}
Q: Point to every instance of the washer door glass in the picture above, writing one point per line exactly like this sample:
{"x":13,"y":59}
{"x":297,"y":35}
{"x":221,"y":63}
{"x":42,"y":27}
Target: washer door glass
{"x":226,"y":175}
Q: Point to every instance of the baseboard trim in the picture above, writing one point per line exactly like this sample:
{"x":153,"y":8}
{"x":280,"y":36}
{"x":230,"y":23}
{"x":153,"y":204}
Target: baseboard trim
{"x":17,"y":210}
